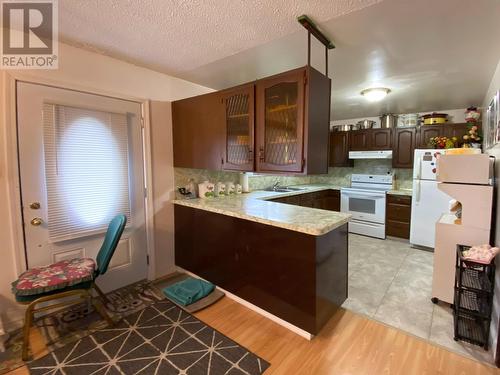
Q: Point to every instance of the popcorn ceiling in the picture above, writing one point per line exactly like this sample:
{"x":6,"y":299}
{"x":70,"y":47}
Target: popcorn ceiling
{"x":180,"y":35}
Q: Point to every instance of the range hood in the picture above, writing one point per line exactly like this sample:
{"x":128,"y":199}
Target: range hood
{"x":384,"y":154}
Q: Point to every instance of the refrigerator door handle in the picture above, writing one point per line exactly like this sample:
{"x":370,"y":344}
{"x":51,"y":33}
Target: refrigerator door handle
{"x":417,"y":192}
{"x":419,"y":168}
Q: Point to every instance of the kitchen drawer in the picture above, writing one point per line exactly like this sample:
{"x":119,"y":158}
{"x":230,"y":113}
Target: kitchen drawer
{"x":397,"y":229}
{"x":399,"y":212}
{"x":399,"y":199}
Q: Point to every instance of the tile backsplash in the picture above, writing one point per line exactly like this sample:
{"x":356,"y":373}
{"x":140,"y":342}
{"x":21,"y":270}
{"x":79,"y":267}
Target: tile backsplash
{"x":336,"y":176}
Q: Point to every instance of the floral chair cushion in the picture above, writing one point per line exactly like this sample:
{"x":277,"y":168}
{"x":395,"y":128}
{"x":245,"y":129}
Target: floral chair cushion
{"x":59,"y":275}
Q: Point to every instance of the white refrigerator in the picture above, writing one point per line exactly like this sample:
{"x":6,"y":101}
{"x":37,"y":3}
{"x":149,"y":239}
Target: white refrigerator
{"x":428,"y":202}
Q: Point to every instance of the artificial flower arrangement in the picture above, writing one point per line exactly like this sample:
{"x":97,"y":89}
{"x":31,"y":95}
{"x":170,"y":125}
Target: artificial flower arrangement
{"x":472,"y":137}
{"x":442,"y":142}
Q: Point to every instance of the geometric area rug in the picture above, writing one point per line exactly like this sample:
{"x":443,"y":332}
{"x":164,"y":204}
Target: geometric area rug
{"x":159,"y":339}
{"x":74,"y":322}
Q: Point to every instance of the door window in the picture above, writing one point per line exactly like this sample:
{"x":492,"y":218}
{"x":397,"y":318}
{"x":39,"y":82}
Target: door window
{"x":86,"y":169}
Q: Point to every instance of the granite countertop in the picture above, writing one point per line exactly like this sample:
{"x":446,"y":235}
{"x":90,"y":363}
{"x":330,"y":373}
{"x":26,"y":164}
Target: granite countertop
{"x":319,"y":187}
{"x":407,"y":192}
{"x":255,"y":206}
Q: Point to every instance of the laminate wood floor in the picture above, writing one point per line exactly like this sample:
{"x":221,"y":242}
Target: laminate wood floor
{"x":348,"y":344}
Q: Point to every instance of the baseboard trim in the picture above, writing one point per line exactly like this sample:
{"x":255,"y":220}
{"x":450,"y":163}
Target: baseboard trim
{"x":251,"y":306}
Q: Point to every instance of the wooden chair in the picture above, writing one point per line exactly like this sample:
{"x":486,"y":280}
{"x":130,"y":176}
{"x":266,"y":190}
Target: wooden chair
{"x":80,"y":287}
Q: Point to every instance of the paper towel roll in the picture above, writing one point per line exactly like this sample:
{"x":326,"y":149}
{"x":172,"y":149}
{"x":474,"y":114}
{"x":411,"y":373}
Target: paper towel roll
{"x":244,"y":183}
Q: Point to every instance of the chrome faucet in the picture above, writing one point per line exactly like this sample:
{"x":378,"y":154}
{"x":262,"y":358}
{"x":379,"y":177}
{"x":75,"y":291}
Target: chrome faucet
{"x":276,"y":185}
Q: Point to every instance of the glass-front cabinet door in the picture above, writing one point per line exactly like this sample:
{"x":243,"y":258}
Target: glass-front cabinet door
{"x":239,"y":119}
{"x":280,"y":122}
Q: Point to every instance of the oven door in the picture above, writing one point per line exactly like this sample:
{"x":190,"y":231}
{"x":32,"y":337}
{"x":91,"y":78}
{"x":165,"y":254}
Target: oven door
{"x":364,"y":205}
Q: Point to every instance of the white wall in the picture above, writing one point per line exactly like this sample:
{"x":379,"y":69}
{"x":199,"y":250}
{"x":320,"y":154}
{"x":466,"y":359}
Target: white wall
{"x":85,"y":70}
{"x":495,"y":151}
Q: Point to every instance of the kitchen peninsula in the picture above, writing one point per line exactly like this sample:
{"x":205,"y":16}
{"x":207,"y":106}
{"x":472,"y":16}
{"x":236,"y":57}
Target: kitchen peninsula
{"x":290,"y":261}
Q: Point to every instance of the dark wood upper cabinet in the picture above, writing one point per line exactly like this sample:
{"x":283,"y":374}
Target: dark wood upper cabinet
{"x":280,"y":122}
{"x":198,"y":132}
{"x":359,"y":140}
{"x":457,"y":130}
{"x":380,"y":139}
{"x":370,"y":139}
{"x":426,"y":132}
{"x":339,"y":149}
{"x":239,"y":128}
{"x":292,"y":122}
{"x":277,"y":124}
{"x":403,"y":147}
{"x":402,"y":142}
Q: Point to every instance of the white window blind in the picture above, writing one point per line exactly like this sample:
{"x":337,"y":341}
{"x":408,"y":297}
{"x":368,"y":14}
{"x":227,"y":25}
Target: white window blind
{"x":86,"y":170}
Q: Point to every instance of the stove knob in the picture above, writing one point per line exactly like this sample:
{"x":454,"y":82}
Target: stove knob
{"x":433,"y":170}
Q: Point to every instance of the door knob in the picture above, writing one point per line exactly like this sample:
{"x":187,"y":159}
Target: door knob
{"x":36,"y":221}
{"x":35,"y":205}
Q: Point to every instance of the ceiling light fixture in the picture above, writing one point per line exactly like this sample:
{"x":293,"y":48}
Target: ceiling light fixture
{"x":375,"y":94}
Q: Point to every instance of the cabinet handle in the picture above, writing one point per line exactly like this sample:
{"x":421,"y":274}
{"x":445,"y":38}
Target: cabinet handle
{"x":250,"y":155}
{"x":261,"y":154}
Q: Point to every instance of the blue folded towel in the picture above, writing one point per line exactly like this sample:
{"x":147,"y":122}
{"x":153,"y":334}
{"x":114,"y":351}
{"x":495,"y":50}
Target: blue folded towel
{"x":188,"y":291}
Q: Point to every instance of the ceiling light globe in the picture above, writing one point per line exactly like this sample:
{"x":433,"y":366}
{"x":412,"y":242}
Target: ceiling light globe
{"x":375,"y":94}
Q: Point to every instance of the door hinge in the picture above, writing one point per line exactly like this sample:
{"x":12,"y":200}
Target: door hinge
{"x":145,"y":192}
{"x":142,"y":122}
{"x":147,"y":259}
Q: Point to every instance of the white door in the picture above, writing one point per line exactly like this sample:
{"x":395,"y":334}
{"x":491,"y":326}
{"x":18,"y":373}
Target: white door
{"x":81,"y":163}
{"x":427,"y":205}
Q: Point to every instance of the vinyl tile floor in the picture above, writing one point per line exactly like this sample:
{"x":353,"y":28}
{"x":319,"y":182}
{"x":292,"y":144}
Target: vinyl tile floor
{"x":391,"y":282}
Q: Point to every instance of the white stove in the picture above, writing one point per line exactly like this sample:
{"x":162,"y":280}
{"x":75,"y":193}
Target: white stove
{"x":365,"y":201}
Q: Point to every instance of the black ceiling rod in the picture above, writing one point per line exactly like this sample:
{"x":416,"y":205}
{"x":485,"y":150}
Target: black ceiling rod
{"x":311,"y":28}
{"x":326,"y":61}
{"x":308,"y":48}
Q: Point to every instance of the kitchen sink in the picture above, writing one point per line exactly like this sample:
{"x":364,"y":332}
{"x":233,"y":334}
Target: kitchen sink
{"x":284,"y":189}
